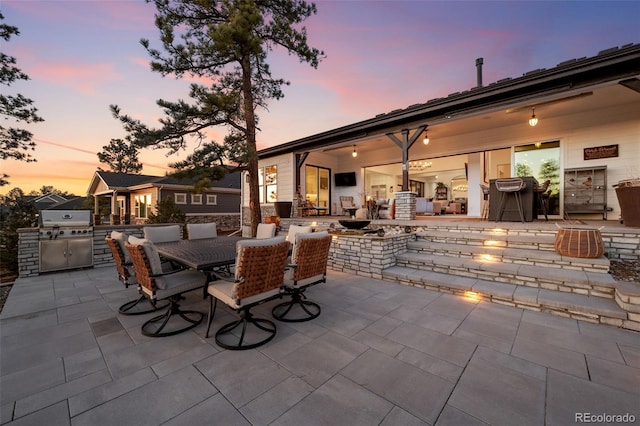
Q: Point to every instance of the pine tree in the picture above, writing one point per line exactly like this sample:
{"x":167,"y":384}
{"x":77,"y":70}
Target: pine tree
{"x":224,"y":42}
{"x":14,"y":142}
{"x":121,"y":157}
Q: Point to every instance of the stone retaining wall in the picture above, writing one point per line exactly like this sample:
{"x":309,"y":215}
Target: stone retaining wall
{"x":366,"y":255}
{"x":224,"y":221}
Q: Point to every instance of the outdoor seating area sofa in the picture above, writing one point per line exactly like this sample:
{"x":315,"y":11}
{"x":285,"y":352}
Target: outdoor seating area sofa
{"x":453,"y":207}
{"x":425,"y":207}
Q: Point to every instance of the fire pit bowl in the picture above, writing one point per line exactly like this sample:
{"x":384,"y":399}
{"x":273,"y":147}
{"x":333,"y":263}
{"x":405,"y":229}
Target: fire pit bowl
{"x":354,"y":224}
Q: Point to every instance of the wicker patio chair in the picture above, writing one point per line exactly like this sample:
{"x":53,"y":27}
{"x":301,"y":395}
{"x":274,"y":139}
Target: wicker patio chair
{"x":159,"y":285}
{"x":197,"y":231}
{"x":346,"y":203}
{"x":162,"y":234}
{"x":297,"y":229}
{"x":259,"y":276}
{"x":266,"y":230}
{"x":127,"y":275}
{"x":308,"y":267}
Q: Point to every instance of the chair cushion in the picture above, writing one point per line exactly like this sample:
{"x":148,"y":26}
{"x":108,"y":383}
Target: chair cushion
{"x":290,"y":283}
{"x":162,"y":234}
{"x":225,"y":292}
{"x":361,"y":213}
{"x":197,"y":231}
{"x":294,"y":229}
{"x":179,"y":282}
{"x":266,"y":230}
{"x":151,"y":253}
{"x":121,"y":237}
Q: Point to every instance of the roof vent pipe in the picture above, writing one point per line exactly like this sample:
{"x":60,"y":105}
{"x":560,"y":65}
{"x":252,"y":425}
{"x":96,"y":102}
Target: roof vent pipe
{"x":479,"y":63}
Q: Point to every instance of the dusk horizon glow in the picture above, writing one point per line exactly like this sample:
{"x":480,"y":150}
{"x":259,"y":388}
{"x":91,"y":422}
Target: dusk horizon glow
{"x":83,"y":56}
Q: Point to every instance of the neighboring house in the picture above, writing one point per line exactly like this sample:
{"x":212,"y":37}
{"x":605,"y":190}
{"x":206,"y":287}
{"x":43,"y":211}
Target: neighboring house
{"x":45,"y":201}
{"x":75,"y":203}
{"x":133,"y":197}
{"x":588,"y":125}
{"x":40,"y":202}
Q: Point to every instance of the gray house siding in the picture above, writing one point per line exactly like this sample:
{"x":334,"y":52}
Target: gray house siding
{"x":225,"y":202}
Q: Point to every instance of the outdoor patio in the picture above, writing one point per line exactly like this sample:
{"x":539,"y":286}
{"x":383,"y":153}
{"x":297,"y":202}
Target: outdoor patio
{"x":379,"y":354}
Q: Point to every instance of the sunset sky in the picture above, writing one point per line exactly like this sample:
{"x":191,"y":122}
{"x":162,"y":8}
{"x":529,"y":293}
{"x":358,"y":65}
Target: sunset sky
{"x":84,"y":55}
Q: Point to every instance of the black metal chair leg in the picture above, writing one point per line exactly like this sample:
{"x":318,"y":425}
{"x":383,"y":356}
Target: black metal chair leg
{"x":246,"y":320}
{"x":281,"y":310}
{"x":128,"y":308}
{"x":174,"y":308}
{"x":213,"y":304}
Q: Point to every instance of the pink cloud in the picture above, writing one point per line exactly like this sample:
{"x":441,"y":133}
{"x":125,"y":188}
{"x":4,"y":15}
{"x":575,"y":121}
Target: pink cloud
{"x":86,"y":78}
{"x":114,"y":15}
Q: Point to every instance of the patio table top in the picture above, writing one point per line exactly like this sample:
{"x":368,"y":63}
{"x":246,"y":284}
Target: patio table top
{"x":202,"y":254}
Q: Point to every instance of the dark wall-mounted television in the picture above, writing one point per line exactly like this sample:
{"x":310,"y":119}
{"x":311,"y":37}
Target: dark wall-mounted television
{"x":345,"y":179}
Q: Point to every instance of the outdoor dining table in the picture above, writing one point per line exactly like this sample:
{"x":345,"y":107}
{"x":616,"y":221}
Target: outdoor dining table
{"x":205,"y":254}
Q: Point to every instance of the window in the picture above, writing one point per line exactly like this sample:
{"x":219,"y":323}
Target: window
{"x":268,"y":183}
{"x":196,"y":198}
{"x":212,"y":199}
{"x":180,"y":198}
{"x":542,"y":161}
{"x":143,"y":202}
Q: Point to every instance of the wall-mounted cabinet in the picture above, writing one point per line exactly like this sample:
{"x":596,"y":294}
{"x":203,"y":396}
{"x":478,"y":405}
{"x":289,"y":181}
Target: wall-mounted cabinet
{"x":585,"y":190}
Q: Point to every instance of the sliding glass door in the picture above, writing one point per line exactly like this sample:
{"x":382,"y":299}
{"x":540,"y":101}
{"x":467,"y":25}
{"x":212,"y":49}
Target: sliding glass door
{"x":317,"y":186}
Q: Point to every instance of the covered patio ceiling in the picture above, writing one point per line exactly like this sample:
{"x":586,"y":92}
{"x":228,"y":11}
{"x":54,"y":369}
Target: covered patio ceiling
{"x":565,"y":105}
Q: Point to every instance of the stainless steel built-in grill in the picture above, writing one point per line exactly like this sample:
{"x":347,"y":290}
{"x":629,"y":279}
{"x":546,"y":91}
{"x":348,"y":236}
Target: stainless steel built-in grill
{"x":66,"y":239}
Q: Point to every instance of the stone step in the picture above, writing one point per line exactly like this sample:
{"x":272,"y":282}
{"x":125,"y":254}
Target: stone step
{"x":578,"y":306}
{"x":496,"y":238}
{"x":529,"y":274}
{"x":543,"y":258}
{"x":628,"y":297}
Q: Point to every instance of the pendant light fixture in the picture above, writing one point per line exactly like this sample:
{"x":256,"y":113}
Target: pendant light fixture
{"x":425,"y":140}
{"x":354,"y":154}
{"x":533,"y":120}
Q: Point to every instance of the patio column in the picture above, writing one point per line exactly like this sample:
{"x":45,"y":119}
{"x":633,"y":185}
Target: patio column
{"x":405,"y":205}
{"x":115,"y":214}
{"x":96,"y":210}
{"x":404,"y":145}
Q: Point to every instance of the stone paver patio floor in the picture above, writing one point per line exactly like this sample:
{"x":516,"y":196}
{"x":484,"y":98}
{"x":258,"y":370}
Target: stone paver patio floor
{"x":379,"y":354}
